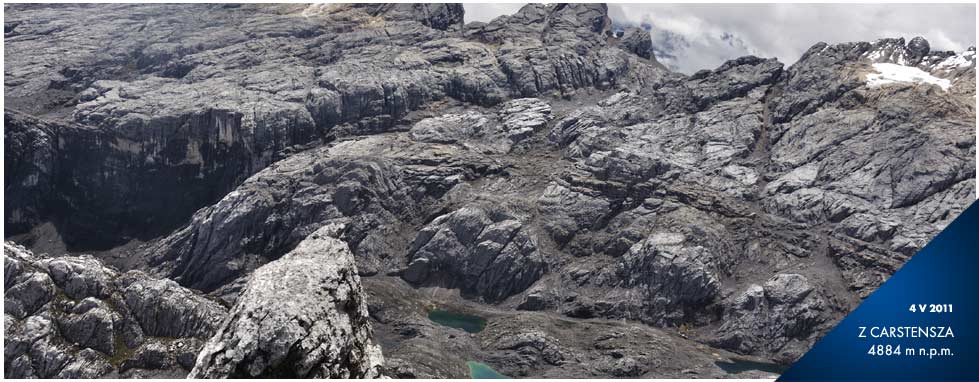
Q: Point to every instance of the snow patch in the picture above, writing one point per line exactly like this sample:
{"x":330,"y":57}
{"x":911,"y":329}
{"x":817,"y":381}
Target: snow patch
{"x":961,"y":60}
{"x":894,"y":73}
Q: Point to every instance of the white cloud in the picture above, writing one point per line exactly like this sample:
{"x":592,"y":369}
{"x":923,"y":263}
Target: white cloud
{"x":702,"y":36}
{"x":486,"y":11}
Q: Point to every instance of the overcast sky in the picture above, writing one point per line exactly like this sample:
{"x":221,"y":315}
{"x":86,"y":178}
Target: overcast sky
{"x":690,"y":37}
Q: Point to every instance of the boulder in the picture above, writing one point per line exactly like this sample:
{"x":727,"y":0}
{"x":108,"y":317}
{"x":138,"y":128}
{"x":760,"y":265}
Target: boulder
{"x":637,"y":40}
{"x":303,"y":315}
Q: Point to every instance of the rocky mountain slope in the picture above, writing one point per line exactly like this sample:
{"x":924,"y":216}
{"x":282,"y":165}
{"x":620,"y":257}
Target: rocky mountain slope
{"x":72,"y":317}
{"x":606,"y":216}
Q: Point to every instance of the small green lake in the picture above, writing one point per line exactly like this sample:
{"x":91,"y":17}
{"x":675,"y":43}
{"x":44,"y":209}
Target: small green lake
{"x":741,"y":365}
{"x":479,"y":370}
{"x":467,"y":322}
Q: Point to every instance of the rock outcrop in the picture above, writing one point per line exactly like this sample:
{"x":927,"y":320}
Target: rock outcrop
{"x":277,"y":208}
{"x":72,"y":317}
{"x":513,"y":122}
{"x":301,"y":316}
{"x":180,"y":124}
{"x":779,"y":316}
{"x":541,"y":166}
{"x":481,"y":250}
{"x":638,"y":41}
{"x":676,"y":280}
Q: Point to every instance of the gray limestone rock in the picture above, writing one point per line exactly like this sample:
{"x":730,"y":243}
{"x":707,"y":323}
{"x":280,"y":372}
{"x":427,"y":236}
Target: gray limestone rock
{"x":674,"y":279}
{"x":327,"y":71}
{"x":514,"y":121}
{"x":272,"y":211}
{"x":522,"y":117}
{"x":303,"y":315}
{"x":450,"y":128}
{"x":165,"y":309}
{"x":638,"y":41}
{"x":482,"y":250}
{"x":90,"y":325}
{"x":775,"y":318}
{"x":540,"y":166}
{"x":85,"y":320}
{"x":81,"y":277}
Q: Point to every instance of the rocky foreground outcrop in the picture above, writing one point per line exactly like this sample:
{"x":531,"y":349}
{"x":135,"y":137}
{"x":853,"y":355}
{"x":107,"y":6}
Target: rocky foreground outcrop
{"x":540,"y":166}
{"x":302,"y":316}
{"x":72,"y":317}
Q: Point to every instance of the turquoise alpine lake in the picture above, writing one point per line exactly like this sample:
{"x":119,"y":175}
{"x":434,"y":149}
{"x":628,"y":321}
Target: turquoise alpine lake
{"x":479,"y":370}
{"x":740,"y":365}
{"x":467,"y":322}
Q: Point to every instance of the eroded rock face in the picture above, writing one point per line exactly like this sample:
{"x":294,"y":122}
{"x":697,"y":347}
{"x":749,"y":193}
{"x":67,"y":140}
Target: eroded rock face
{"x":537,"y":162}
{"x":676,"y":280}
{"x":523,"y":117}
{"x":245,"y":229}
{"x":557,"y":47}
{"x":513,"y":122}
{"x":638,"y":41}
{"x":301,"y":316}
{"x":450,"y":128}
{"x":736,"y":155}
{"x":72,"y":317}
{"x":370,"y":186}
{"x":203,"y":114}
{"x":780,"y":316}
{"x":479,"y":249}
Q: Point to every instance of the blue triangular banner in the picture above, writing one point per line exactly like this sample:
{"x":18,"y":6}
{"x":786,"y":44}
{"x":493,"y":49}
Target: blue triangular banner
{"x":921,"y":324}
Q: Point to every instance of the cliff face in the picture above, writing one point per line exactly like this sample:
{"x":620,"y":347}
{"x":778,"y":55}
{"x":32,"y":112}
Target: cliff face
{"x":539,"y":169}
